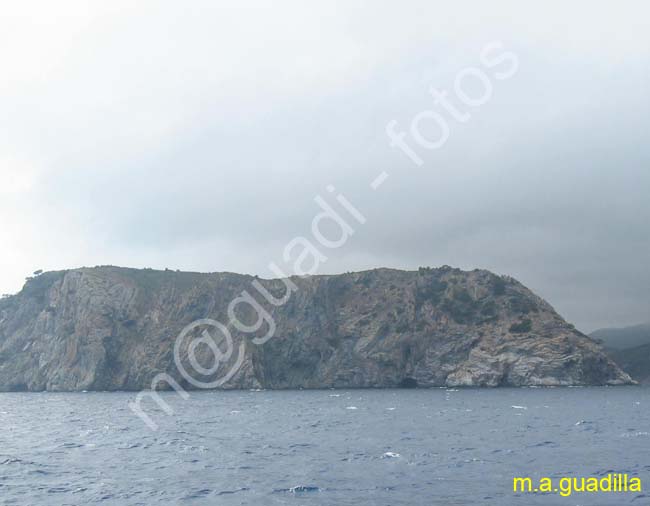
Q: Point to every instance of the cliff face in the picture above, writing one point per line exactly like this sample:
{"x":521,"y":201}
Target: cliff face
{"x":110,"y":328}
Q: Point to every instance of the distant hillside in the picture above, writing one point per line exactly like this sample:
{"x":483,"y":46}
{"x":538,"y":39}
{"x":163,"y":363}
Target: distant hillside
{"x":623,"y":338}
{"x":635,"y":361}
{"x":629,"y":347}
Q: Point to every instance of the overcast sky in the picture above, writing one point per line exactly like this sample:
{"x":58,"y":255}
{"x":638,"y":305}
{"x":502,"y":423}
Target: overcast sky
{"x":196,"y":135}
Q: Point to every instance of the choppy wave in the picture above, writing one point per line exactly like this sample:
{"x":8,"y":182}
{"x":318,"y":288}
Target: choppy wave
{"x":404,"y":448}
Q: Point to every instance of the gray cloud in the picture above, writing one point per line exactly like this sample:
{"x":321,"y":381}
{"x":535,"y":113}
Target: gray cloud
{"x":200,"y":143}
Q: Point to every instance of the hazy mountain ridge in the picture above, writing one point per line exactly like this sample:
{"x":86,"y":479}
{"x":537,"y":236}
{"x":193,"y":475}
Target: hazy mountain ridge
{"x":636,"y":361}
{"x":110,"y":328}
{"x":629,"y":347}
{"x":624,"y":337}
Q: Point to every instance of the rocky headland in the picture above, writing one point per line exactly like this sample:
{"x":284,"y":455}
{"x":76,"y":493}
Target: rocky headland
{"x":110,"y":328}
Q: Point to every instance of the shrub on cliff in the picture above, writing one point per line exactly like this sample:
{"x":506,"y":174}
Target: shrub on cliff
{"x":521,"y":327}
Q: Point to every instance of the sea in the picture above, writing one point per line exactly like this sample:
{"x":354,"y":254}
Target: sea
{"x":322,"y":447}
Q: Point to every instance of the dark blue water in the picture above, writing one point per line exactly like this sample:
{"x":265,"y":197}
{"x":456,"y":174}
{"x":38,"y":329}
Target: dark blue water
{"x":406,"y":447}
